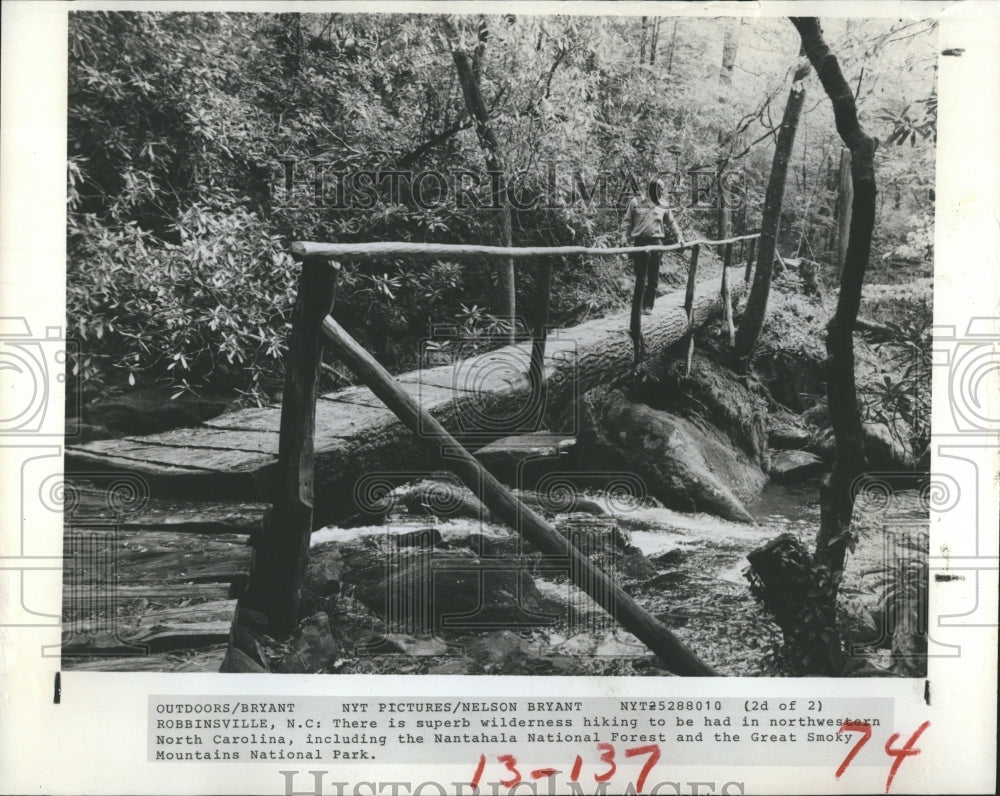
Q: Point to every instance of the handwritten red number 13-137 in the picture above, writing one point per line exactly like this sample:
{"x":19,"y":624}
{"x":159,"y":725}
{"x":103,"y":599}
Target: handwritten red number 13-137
{"x":607,"y":751}
{"x":607,"y":757}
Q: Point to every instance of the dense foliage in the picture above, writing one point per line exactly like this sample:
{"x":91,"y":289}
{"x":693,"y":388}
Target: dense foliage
{"x":184,"y":127}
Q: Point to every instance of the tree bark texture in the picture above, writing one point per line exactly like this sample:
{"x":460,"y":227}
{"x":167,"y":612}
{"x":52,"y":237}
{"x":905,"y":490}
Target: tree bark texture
{"x":724,"y":226}
{"x":730,"y":44}
{"x":837,"y":500}
{"x":845,"y":198}
{"x":809,"y":620}
{"x":469,"y":79}
{"x":756,"y":308}
{"x":279,"y":557}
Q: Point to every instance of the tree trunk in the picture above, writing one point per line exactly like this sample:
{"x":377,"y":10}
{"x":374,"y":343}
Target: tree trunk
{"x":730,"y":45}
{"x":724,"y":224}
{"x":837,"y":500}
{"x":809,"y":620}
{"x":469,"y":79}
{"x":845,"y":197}
{"x":756,"y":309}
{"x":289,"y":40}
{"x":670,"y":51}
{"x":279,"y":556}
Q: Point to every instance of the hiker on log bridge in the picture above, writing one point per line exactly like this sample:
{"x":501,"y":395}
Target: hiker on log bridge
{"x":374,"y":389}
{"x":646,"y":222}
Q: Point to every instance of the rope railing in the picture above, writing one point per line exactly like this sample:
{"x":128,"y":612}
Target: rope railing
{"x":368,"y":251}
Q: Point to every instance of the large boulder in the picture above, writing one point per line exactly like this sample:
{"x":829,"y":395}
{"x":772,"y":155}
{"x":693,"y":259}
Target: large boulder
{"x":790,"y":357}
{"x":793,"y":466}
{"x":446,"y":499}
{"x":451,"y":589}
{"x":710,"y":393}
{"x":687,"y":464}
{"x":787,"y":431}
{"x":521,"y":460}
{"x":888,"y":448}
{"x":793,"y":381}
{"x":313,"y":648}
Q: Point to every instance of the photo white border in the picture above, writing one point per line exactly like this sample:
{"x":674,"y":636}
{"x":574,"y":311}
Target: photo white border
{"x":95,"y":740}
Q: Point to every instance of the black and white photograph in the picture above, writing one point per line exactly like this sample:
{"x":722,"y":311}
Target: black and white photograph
{"x":432,"y":398}
{"x":588,"y":401}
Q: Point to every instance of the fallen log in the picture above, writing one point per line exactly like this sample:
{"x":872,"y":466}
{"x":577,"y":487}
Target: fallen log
{"x":234,"y":455}
{"x":203,"y":659}
{"x":90,"y":507}
{"x":109,"y":558}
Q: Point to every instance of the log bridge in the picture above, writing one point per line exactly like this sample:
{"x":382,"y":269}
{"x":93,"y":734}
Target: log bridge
{"x":426,"y":418}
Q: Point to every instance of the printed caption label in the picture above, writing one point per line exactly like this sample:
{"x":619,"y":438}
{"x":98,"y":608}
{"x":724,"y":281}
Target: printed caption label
{"x":570,"y":734}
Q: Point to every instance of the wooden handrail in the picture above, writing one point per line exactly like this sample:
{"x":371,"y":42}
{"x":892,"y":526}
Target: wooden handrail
{"x":367,"y":251}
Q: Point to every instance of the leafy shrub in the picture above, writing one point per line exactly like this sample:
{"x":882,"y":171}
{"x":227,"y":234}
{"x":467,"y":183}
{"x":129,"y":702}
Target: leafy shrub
{"x":903,"y":582}
{"x":902,"y":397}
{"x":209,"y":312}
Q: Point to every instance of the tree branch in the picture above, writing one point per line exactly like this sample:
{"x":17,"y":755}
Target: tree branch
{"x":411,"y":157}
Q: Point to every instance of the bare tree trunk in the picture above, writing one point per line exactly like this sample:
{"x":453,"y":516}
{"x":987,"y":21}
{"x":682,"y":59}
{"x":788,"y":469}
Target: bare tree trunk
{"x":289,"y":40}
{"x":730,"y":44}
{"x":655,"y":43}
{"x":801,"y":591}
{"x":642,"y":41}
{"x":756,"y":309}
{"x":837,"y":501}
{"x":469,"y":79}
{"x":845,"y":197}
{"x":670,"y":52}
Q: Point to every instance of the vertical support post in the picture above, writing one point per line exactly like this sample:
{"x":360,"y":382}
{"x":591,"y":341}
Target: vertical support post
{"x":727,"y":297}
{"x":750,"y":253}
{"x":689,"y":303}
{"x":536,"y":368}
{"x":279,"y":556}
{"x":635,"y":320}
